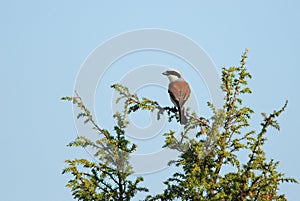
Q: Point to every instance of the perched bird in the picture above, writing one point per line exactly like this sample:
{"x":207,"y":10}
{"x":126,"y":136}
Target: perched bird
{"x":179,"y":91}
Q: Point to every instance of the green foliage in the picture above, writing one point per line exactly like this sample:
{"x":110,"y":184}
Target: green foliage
{"x":108,"y":178}
{"x":211,"y":165}
{"x":202,"y":162}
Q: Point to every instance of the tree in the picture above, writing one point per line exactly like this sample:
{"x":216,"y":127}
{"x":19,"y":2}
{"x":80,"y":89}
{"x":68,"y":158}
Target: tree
{"x":216,"y":147}
{"x":108,"y":178}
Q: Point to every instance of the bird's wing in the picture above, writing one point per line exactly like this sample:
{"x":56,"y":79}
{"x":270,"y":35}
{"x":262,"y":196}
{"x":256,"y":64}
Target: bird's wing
{"x":179,"y":92}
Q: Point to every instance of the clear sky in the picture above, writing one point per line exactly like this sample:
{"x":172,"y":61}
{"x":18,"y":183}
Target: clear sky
{"x":44,"y":43}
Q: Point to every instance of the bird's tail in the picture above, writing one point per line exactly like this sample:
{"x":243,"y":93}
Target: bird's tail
{"x":182,"y":117}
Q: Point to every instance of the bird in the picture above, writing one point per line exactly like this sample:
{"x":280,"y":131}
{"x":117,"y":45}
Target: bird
{"x":179,"y":91}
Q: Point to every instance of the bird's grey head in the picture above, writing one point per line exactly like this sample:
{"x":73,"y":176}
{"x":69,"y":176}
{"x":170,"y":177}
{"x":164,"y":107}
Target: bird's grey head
{"x":173,"y":74}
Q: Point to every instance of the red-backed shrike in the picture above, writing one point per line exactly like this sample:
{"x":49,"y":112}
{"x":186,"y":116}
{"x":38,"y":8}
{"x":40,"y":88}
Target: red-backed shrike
{"x":179,"y":91}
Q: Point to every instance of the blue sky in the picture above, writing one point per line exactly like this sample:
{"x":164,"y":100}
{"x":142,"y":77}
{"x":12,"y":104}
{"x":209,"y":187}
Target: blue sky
{"x":44,"y":43}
